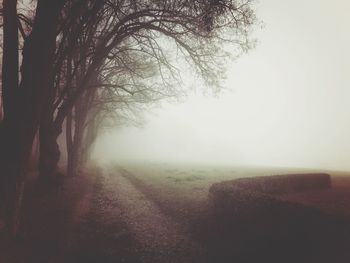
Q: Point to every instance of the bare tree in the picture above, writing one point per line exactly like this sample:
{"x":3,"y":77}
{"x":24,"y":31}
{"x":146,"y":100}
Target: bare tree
{"x":123,"y":87}
{"x":195,"y":32}
{"x":92,"y":33}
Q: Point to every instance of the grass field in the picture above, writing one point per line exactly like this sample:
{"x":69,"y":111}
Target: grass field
{"x":191,"y":182}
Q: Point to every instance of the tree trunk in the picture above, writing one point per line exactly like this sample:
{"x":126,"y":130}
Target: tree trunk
{"x":21,"y":122}
{"x":8,"y":188}
{"x":89,"y":139}
{"x":49,"y":148}
{"x":34,"y":158}
{"x":73,"y":161}
{"x":10,"y":58}
{"x":74,"y":152}
{"x":69,"y":143}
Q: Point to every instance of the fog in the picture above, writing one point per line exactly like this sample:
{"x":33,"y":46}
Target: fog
{"x":286,"y":102}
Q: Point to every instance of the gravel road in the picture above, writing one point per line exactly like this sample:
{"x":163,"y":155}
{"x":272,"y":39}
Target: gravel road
{"x":124,"y":224}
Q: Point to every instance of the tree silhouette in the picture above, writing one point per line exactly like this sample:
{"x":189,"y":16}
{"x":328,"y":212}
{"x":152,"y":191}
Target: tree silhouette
{"x":66,"y":54}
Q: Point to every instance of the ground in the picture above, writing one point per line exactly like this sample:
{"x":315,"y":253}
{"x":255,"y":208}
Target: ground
{"x":138,"y":212}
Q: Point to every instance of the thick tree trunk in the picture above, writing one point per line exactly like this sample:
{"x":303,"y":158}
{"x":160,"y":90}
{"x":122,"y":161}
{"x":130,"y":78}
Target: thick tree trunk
{"x":8,"y":187}
{"x":10,"y":60}
{"x":49,"y":148}
{"x":21,"y":123}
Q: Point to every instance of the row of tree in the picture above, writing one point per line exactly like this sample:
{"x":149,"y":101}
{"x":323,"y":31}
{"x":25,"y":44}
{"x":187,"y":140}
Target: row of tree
{"x":79,"y":65}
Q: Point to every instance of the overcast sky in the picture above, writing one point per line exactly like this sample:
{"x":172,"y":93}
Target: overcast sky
{"x":289,"y":103}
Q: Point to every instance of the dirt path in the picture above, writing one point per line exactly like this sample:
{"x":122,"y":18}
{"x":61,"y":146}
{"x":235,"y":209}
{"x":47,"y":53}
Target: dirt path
{"x":100,"y":234}
{"x":100,"y":217}
{"x":162,"y":239}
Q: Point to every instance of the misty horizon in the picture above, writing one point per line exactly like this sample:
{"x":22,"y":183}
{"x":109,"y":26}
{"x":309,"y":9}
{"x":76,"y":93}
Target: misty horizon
{"x":285,"y":102}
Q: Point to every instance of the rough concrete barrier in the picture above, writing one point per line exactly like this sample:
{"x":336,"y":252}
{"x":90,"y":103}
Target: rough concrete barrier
{"x":277,"y":184}
{"x":252,"y":223}
{"x":253,"y":194}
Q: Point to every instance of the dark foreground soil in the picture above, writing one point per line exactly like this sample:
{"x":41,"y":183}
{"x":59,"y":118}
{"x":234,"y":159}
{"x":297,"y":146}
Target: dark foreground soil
{"x":79,"y":222}
{"x":124,"y":215}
